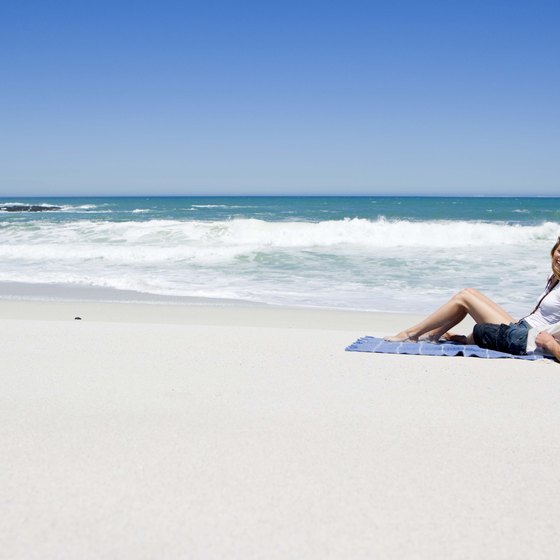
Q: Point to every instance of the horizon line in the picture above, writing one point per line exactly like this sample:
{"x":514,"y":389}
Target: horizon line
{"x":198,"y":195}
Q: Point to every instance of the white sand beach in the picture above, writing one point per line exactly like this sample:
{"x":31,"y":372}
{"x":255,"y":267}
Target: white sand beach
{"x":151,"y":431}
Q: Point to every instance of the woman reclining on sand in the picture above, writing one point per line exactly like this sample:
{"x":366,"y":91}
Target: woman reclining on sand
{"x":495,"y":328}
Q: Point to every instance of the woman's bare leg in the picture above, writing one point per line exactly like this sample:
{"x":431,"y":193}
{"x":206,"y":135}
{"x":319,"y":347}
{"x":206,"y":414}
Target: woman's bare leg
{"x":466,"y":302}
{"x":468,"y":339}
{"x":437,"y":333}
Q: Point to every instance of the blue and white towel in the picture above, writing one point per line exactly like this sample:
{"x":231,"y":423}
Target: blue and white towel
{"x":372,"y":344}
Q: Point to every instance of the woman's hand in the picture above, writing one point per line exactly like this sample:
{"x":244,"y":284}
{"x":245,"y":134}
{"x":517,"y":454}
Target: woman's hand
{"x":549,"y":343}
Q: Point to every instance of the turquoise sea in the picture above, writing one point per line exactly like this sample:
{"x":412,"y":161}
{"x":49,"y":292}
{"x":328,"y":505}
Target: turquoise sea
{"x":372,"y":253}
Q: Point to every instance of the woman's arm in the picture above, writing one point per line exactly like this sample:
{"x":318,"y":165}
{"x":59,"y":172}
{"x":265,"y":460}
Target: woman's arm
{"x":549,"y":343}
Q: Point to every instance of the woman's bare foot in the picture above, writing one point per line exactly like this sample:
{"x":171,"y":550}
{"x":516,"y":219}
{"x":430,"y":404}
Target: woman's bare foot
{"x":429,"y":338}
{"x":403,"y":336}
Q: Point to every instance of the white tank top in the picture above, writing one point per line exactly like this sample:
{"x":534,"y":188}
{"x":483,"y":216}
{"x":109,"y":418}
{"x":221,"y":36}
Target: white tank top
{"x":548,"y":311}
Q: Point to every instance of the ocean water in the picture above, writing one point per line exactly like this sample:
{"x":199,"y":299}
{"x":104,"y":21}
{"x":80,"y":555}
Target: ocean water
{"x":373,"y":253}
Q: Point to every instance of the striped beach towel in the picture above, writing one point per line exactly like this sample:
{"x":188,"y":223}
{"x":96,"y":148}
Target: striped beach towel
{"x":372,"y":344}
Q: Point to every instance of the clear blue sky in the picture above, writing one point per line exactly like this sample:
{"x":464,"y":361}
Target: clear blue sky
{"x":238,"y":97}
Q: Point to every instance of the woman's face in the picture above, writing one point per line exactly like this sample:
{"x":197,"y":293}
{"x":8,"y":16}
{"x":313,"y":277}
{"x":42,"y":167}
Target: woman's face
{"x":556,"y":262}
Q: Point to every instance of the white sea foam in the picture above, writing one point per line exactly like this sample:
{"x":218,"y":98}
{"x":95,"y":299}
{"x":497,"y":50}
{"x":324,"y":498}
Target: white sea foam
{"x":160,"y":240}
{"x":221,"y":206}
{"x":371,"y":264}
{"x":81,"y":207}
{"x":378,"y":233}
{"x":210,"y":206}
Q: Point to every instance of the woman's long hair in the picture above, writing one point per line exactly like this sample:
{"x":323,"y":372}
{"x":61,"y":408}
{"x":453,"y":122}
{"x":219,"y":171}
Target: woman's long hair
{"x":555,"y":268}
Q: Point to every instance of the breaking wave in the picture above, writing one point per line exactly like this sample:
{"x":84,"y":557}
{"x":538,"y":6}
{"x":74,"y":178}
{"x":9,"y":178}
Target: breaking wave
{"x":255,"y":235}
{"x":360,"y":263}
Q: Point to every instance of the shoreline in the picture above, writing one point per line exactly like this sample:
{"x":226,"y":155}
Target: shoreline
{"x":202,"y":314}
{"x":63,"y":302}
{"x":22,"y":291}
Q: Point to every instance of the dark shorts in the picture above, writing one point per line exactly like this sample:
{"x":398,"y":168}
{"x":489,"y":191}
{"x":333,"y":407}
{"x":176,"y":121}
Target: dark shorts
{"x":510,"y":338}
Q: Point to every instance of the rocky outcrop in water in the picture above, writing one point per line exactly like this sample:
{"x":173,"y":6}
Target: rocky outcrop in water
{"x":27,"y":208}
